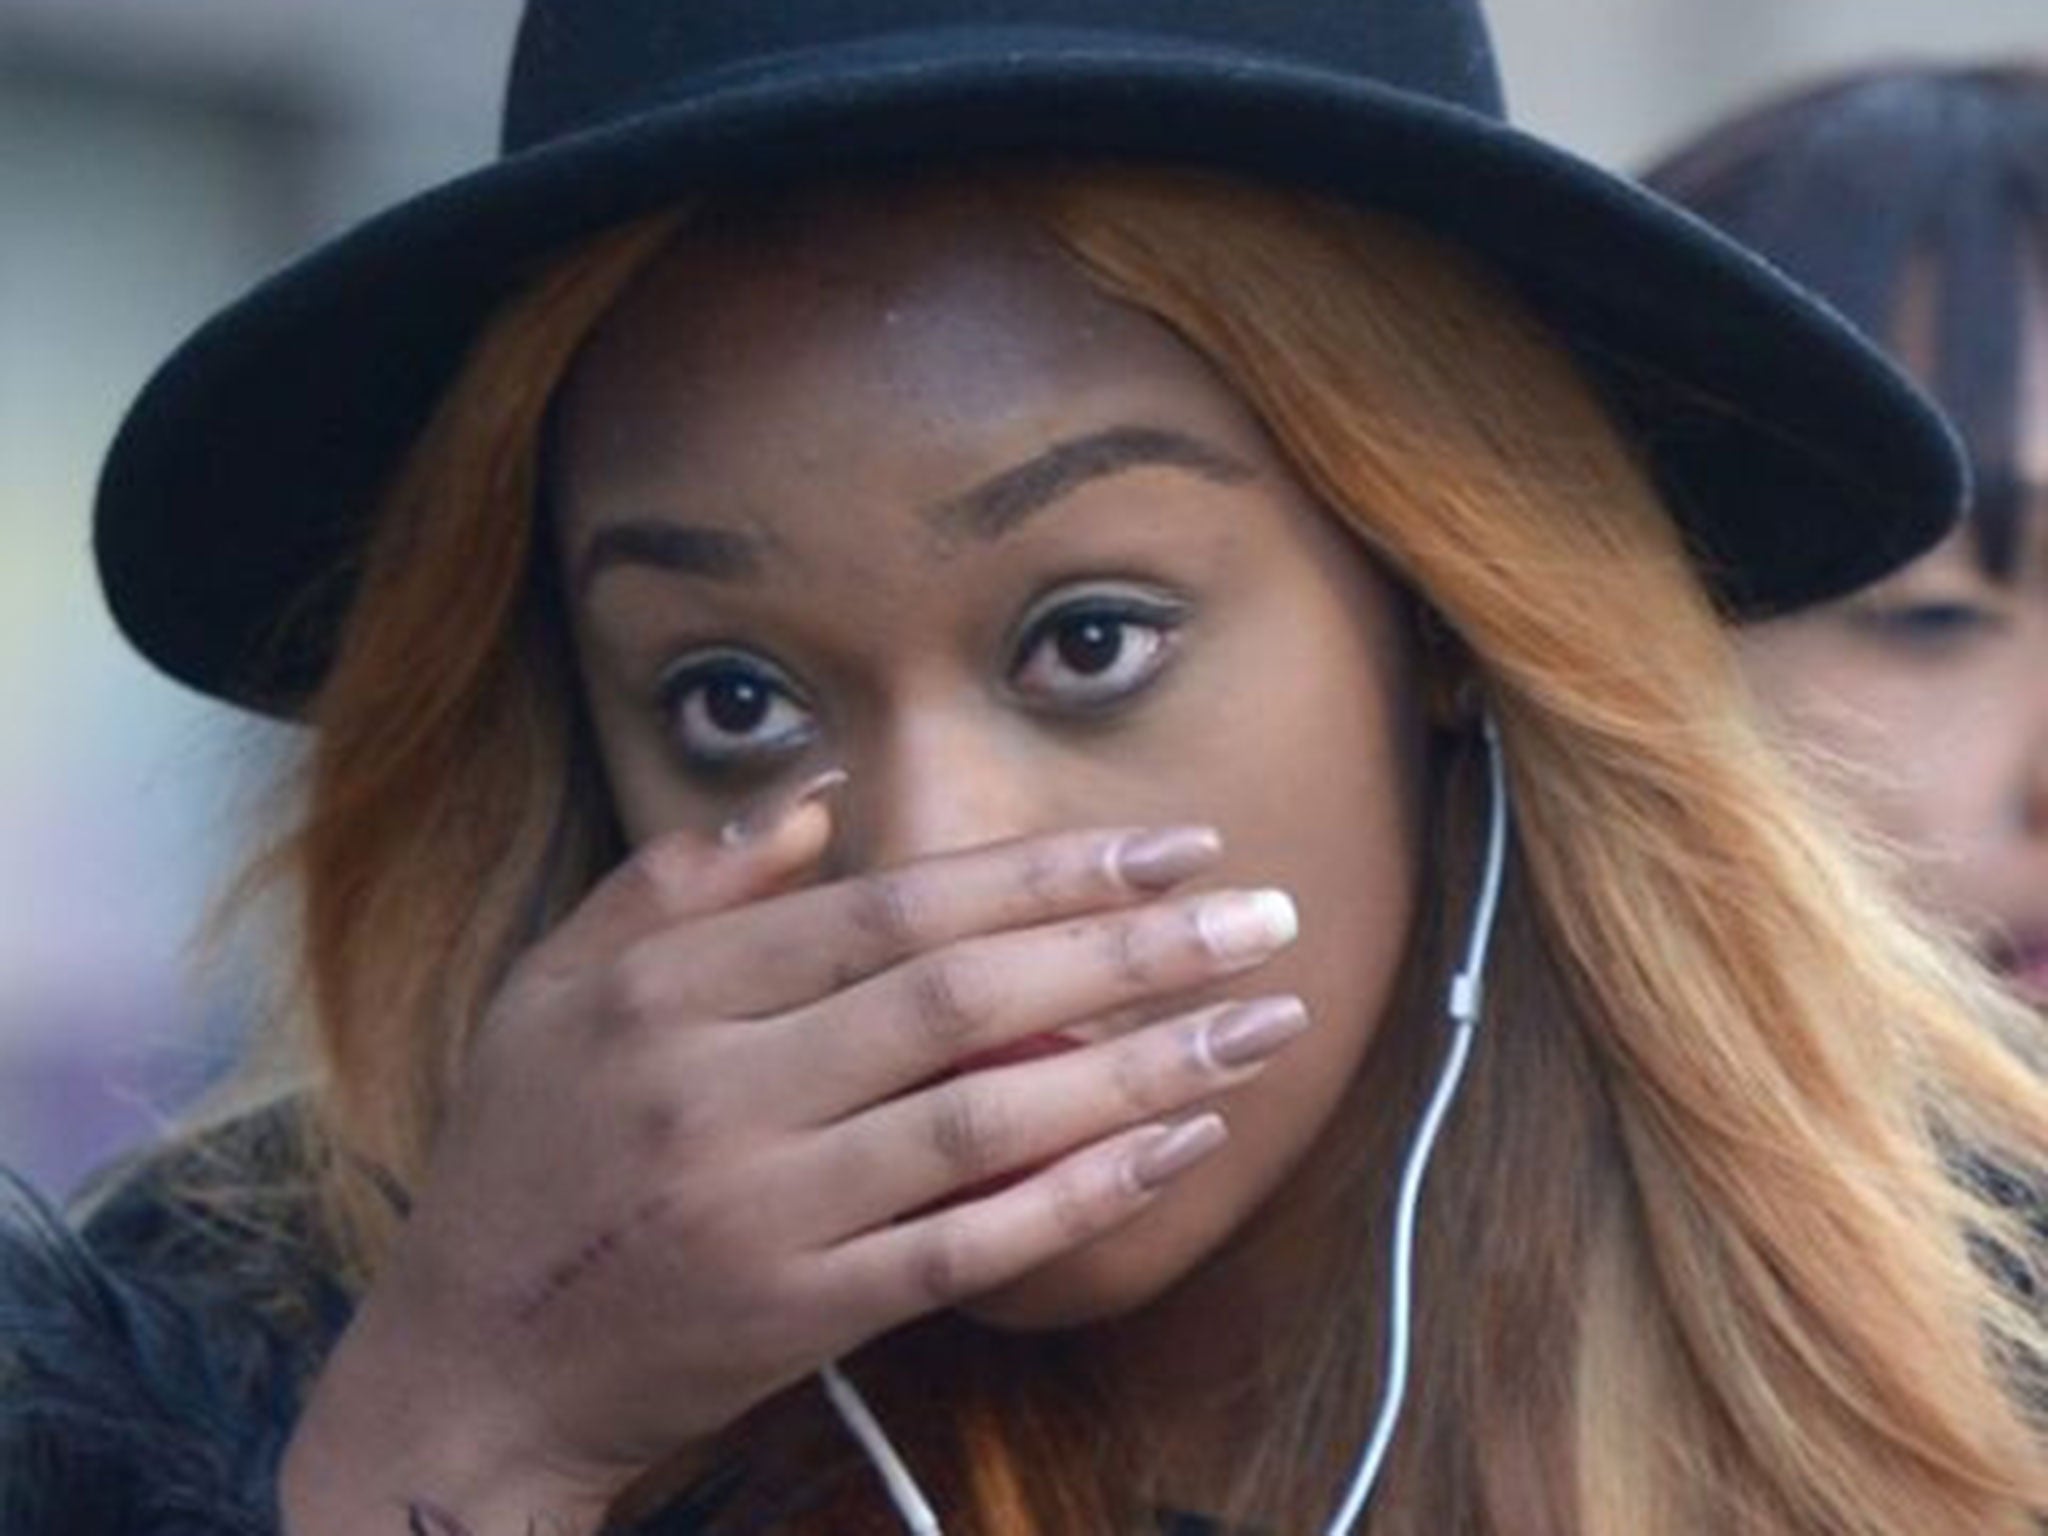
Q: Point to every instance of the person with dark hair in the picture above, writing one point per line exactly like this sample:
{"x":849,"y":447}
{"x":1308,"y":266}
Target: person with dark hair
{"x":1024,"y":779}
{"x":1916,"y":201}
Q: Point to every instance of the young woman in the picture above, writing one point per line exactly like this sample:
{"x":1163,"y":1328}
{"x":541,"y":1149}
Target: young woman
{"x":920,"y":624}
{"x":1917,"y":200}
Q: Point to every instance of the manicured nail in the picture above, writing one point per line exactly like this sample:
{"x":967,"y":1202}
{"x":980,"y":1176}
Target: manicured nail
{"x":1252,"y":1031}
{"x":751,"y":826}
{"x":1158,"y":861}
{"x":1176,"y":1149}
{"x":1247,"y":925}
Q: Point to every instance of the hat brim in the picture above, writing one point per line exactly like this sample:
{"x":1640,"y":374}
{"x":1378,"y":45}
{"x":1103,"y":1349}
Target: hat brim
{"x":1799,"y":462}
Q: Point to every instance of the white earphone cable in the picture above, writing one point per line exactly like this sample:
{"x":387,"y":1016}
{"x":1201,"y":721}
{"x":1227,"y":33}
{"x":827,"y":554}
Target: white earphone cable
{"x":1463,"y":1001}
{"x":909,"y":1499}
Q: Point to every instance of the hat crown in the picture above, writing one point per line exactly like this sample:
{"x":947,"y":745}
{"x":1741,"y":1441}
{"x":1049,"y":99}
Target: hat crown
{"x":580,"y":63}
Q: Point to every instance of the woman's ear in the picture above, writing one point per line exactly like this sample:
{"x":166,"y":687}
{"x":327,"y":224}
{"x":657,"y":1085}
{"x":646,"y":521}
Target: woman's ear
{"x":1450,"y":679}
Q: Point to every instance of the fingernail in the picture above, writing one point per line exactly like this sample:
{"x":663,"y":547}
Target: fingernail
{"x":1251,"y":1032}
{"x":1247,"y":925}
{"x":1157,"y":861}
{"x":1176,"y":1149}
{"x":752,"y":825}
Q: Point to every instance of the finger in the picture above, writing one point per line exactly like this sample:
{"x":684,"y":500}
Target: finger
{"x":796,"y":949}
{"x":683,"y":875}
{"x":969,"y":1131}
{"x":900,"y":1272}
{"x":937,"y":1012}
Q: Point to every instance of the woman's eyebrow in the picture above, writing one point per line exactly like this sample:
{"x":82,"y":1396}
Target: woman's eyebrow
{"x":688,"y":549}
{"x":1000,"y":503}
{"x":988,"y":511}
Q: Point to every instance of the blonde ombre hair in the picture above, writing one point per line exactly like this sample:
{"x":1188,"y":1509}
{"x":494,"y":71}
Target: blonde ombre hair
{"x":1695,"y":1259}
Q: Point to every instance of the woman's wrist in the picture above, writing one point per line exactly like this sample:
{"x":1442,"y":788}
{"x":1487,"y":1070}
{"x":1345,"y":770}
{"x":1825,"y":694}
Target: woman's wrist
{"x":387,"y":1446}
{"x":338,"y":1483}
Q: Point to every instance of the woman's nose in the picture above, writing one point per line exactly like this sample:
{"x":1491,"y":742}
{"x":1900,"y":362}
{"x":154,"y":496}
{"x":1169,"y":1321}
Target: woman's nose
{"x":936,"y":784}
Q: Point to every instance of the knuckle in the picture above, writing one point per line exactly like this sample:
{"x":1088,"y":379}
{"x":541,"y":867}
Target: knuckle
{"x":967,"y":1129}
{"x":1129,"y":953}
{"x":664,"y":1135}
{"x":666,"y":1130}
{"x":939,"y":1267}
{"x":885,"y":911}
{"x":636,"y":995}
{"x":707,"y":1225}
{"x":948,"y":1004}
{"x":1043,"y":877}
{"x":1077,"y":1207}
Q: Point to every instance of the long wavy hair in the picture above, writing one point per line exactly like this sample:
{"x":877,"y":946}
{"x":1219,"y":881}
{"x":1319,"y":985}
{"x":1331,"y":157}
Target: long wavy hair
{"x":1695,"y":1258}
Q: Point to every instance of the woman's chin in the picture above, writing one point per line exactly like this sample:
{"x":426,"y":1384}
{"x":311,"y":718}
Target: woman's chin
{"x":1111,"y":1277}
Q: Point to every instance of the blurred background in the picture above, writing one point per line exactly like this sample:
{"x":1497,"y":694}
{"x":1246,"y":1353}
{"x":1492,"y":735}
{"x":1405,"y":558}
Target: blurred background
{"x":158,"y":155}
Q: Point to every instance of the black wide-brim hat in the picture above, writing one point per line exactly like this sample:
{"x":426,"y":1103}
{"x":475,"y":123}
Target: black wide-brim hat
{"x":236,"y":497}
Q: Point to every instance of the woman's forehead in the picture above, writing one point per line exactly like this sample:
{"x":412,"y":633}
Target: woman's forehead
{"x":879,"y":270}
{"x":864,"y":330}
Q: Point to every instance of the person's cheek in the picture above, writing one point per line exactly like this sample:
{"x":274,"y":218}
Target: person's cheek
{"x":1911,"y":746}
{"x":1963,"y":827}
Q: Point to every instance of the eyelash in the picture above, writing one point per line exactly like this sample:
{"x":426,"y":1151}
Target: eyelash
{"x":689,"y":707}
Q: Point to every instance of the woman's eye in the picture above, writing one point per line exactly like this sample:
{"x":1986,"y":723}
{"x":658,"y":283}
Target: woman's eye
{"x":1934,"y":625}
{"x":730,"y":711}
{"x":1092,"y":655}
